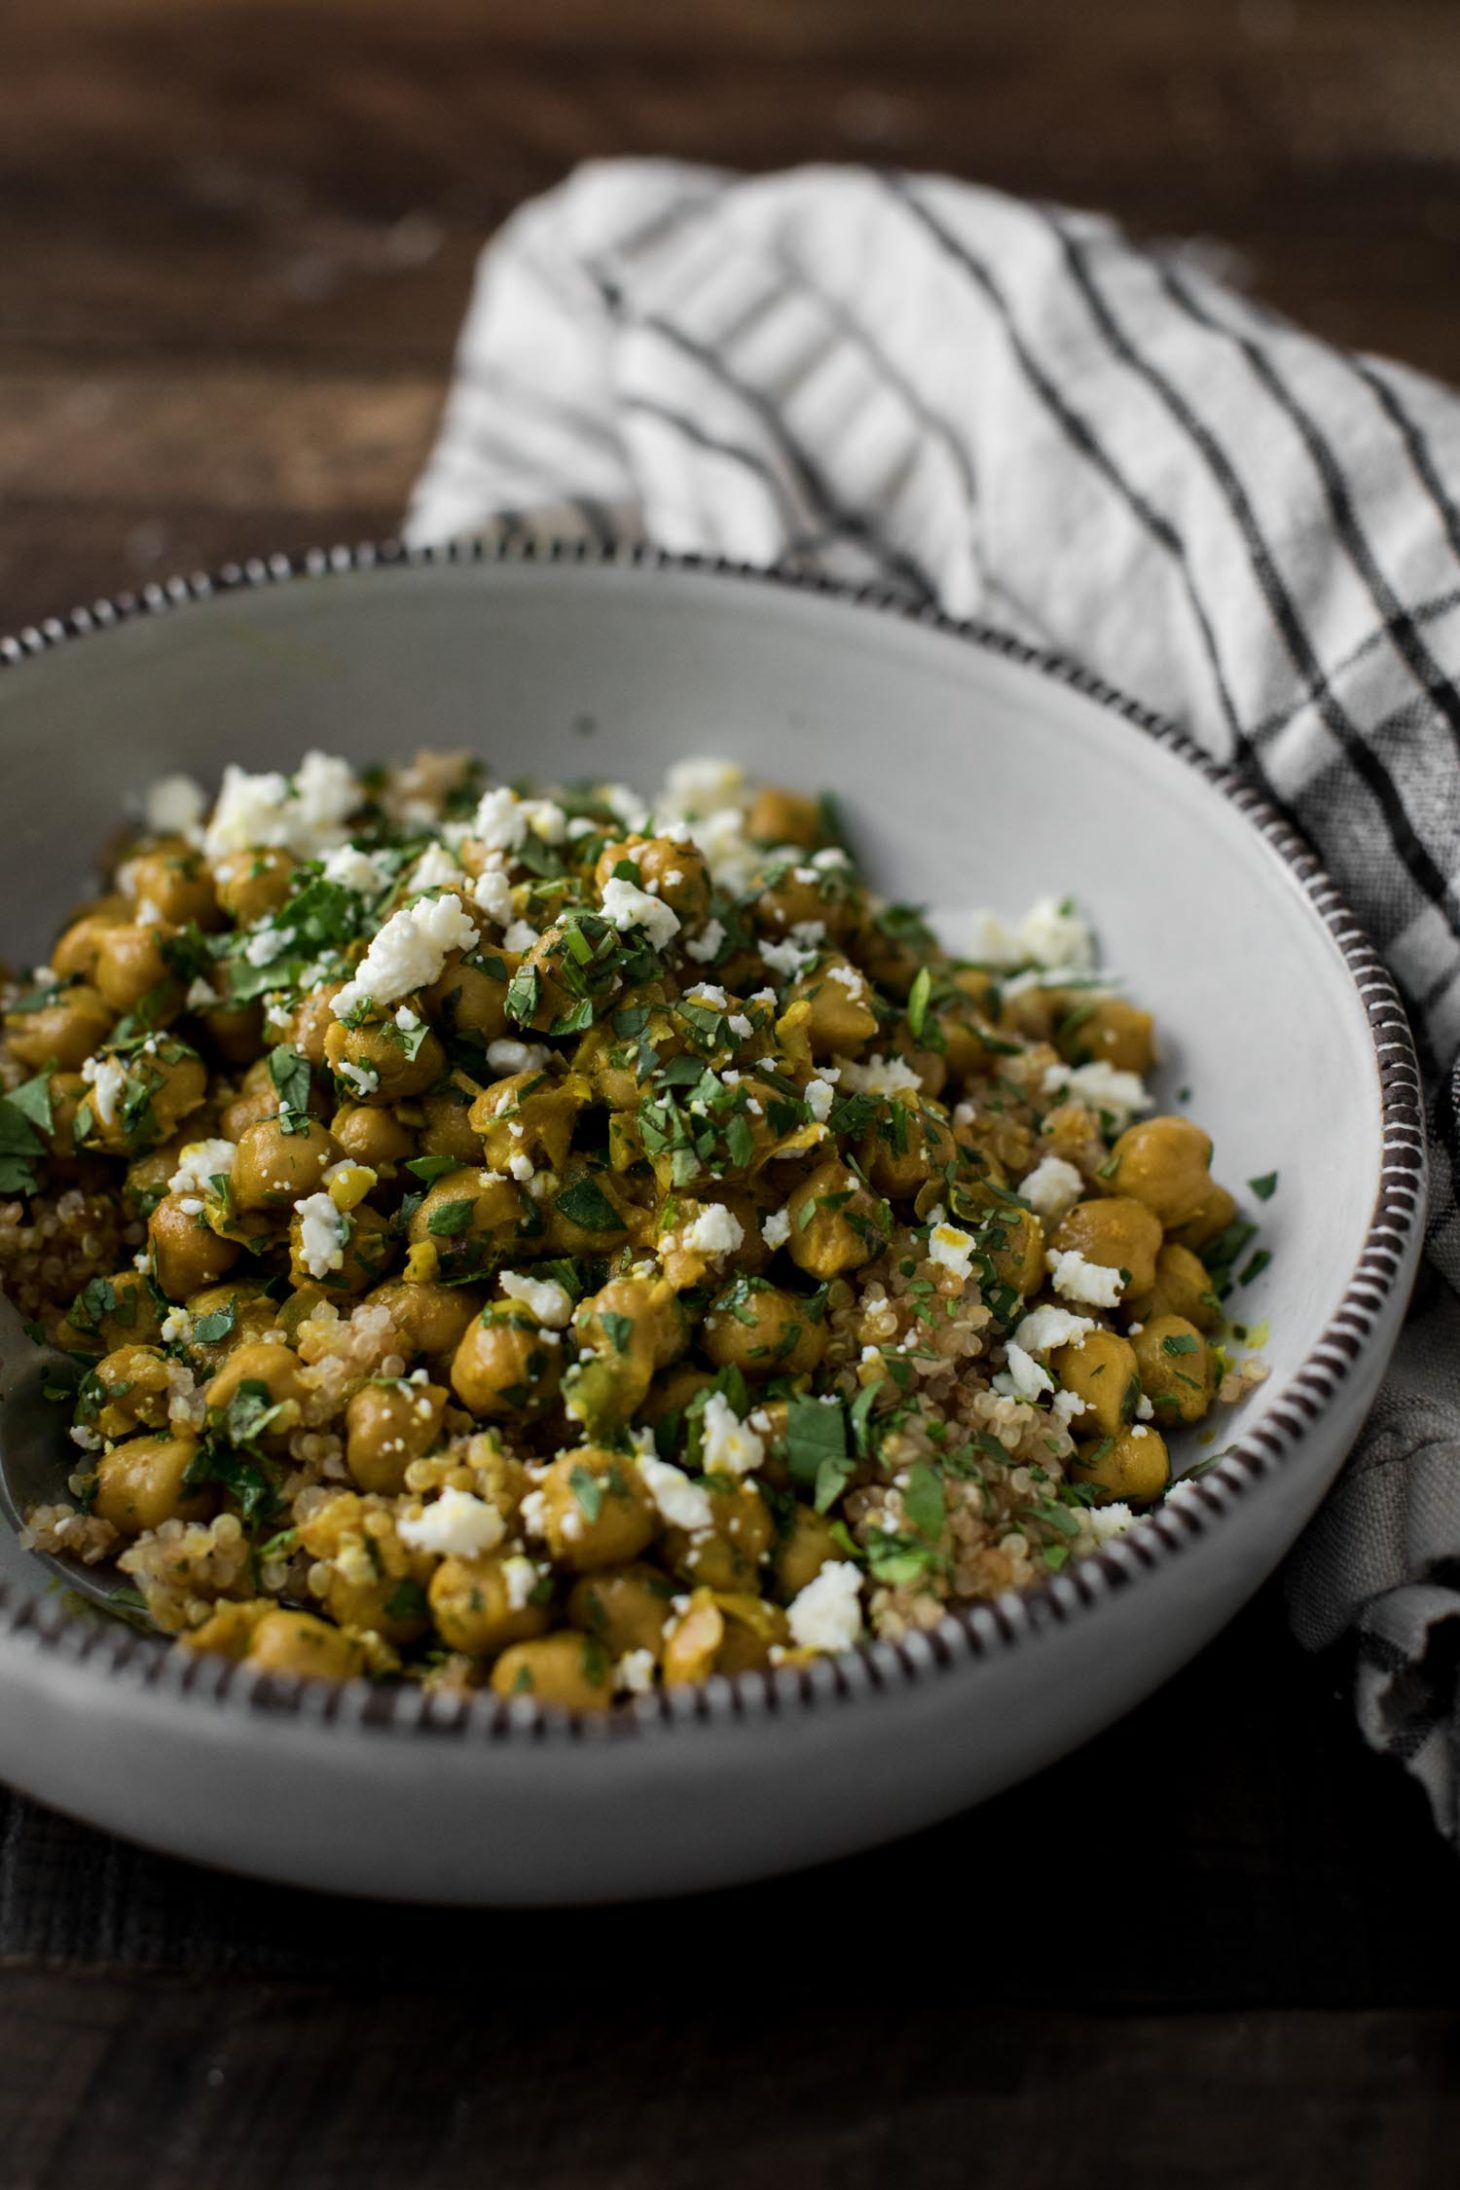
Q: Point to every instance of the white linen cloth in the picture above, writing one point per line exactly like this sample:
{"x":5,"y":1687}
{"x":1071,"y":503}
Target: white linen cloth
{"x":1009,"y":410}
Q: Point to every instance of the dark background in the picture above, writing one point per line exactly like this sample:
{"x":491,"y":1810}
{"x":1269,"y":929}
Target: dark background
{"x":1221,"y":1945}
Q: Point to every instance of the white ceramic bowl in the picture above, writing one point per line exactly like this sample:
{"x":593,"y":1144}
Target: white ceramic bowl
{"x":972,"y":774}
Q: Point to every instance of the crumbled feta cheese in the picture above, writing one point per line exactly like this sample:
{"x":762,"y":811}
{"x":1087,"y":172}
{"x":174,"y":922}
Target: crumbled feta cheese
{"x":706,"y":945}
{"x":493,"y":892}
{"x":174,"y":806}
{"x":520,"y":1576}
{"x":177,"y":1327}
{"x":787,"y":959}
{"x":731,"y":1447}
{"x":199,"y":1163}
{"x":88,"y":1440}
{"x":201,"y":995}
{"x":506,"y":1056}
{"x":627,"y":906}
{"x":626,"y":806}
{"x":710,"y":993}
{"x":1108,"y":1521}
{"x":266,"y":944}
{"x":500,"y":823}
{"x":992,"y":943}
{"x":680,"y":1502}
{"x":1052,"y":1188}
{"x":820,"y":1095}
{"x":546,"y":1299}
{"x":520,"y":936}
{"x":1094,"y":1284}
{"x":546,"y":819}
{"x":1100,"y":1085}
{"x":1054,"y":935}
{"x":355,"y":870}
{"x":1047,"y":1327}
{"x":715,"y":1232}
{"x":952,"y":1248}
{"x":827,"y":1614}
{"x":435,"y":869}
{"x":634,"y":1673}
{"x":407,"y":1020}
{"x":739,"y":1026}
{"x":409,"y":952}
{"x":1067,"y":1407}
{"x":702,"y":785}
{"x":1024,"y":1378}
{"x":457,"y":1525}
{"x":303,"y":815}
{"x":879,"y":1076}
{"x":775,"y":1229}
{"x":850,"y":980}
{"x":321,"y":1235}
{"x":106,"y":1077}
{"x":522,"y":1168}
{"x":728,"y":852}
{"x":362,"y":1079}
{"x":810,"y":934}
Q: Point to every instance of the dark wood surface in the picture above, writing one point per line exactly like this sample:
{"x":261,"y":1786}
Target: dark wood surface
{"x":1219,"y":1946}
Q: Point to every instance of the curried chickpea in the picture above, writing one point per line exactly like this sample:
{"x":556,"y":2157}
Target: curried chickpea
{"x":367,"y":1243}
{"x":273,"y":1168}
{"x":908,"y":1143}
{"x":1133,"y":1465}
{"x":130,"y":968}
{"x":507,"y":1364}
{"x":624,"y":1607}
{"x":839,"y":1019}
{"x":121,"y":1310}
{"x":1106,"y":1031}
{"x":74,"y":956}
{"x":1182,"y":1288}
{"x":186,"y":1253}
{"x":530,"y":1114}
{"x":595,"y":1509}
{"x":174,"y":878}
{"x":141,"y":1484}
{"x":373,"y":1137}
{"x":387,"y":1426}
{"x":483,"y":1605}
{"x":431,"y":1319}
{"x":1119,"y":1233}
{"x":1203,"y":1226}
{"x":251,"y":883}
{"x":836,"y":1224}
{"x":763,"y":1330}
{"x":310,"y":1023}
{"x":1101,"y":1369}
{"x":468,"y":1218}
{"x":729,"y":1553}
{"x":297,"y":1643}
{"x":279,"y":1374}
{"x":803,"y":1549}
{"x":1166,"y":1163}
{"x":448,"y":1130}
{"x":567,"y":1669}
{"x":673,"y":872}
{"x":373,"y":1062}
{"x":784,"y":817}
{"x":133,"y":1381}
{"x":64,"y":1033}
{"x":246,"y":1312}
{"x":1176,"y":1368}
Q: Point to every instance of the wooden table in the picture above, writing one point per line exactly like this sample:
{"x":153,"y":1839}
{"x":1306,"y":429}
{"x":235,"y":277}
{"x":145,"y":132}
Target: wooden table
{"x":1221,"y":1945}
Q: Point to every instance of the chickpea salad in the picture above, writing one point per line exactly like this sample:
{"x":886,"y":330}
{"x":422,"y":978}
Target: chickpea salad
{"x":549,"y":1241}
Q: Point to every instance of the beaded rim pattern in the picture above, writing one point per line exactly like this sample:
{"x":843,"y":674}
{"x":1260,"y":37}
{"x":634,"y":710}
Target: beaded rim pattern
{"x":965,"y":1636}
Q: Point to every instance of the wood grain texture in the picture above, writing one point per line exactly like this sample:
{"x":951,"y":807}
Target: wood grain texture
{"x":1221,"y":1944}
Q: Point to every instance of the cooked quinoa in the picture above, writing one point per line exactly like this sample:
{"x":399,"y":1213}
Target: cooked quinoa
{"x":540,"y":1240}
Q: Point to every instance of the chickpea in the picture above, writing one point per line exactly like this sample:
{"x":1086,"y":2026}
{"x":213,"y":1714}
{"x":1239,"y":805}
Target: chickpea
{"x":728,"y":1556}
{"x":120,"y":1310}
{"x":567,"y":1669}
{"x":470,"y":998}
{"x":596,"y":1511}
{"x":310,"y":1023}
{"x":762,"y":1330}
{"x":130,"y":967}
{"x":372,"y":1581}
{"x":1166,"y":1163}
{"x":1015,"y":1242}
{"x":297,"y":1643}
{"x":836,"y":1224}
{"x":907,"y":1144}
{"x":75,"y":954}
{"x":671,"y":1394}
{"x":469,"y":1217}
{"x":840,"y":1020}
{"x":1101,"y":1369}
{"x":367,"y":1244}
{"x":257,"y":1098}
{"x":1182,"y":1288}
{"x":236,"y":1031}
{"x":141,"y":1484}
{"x":787,"y":895}
{"x":1176,"y":1368}
{"x":802,"y":1551}
{"x":1136,"y":1467}
{"x":249,"y":1312}
{"x":624,"y":1607}
{"x":892,"y":946}
{"x":253,"y":883}
{"x":160,"y":1089}
{"x":173,"y":877}
{"x":431,"y":1319}
{"x":134,"y":1386}
{"x":379,"y":1048}
{"x":1107,"y":1031}
{"x":784,"y":817}
{"x":274,"y":1169}
{"x":64,"y":1033}
{"x":387,"y":1426}
{"x":1118,"y":1233}
{"x":530,"y":1114}
{"x":1204,"y":1225}
{"x":186,"y":1253}
{"x":68,"y":1093}
{"x":279,"y":1373}
{"x":448,"y":1130}
{"x":673,"y":872}
{"x":476,"y":1608}
{"x":721,"y":1633}
{"x":507,"y":1364}
{"x":373,"y":1137}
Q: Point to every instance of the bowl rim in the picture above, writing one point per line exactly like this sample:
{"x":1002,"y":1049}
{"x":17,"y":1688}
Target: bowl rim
{"x":963,"y":1638}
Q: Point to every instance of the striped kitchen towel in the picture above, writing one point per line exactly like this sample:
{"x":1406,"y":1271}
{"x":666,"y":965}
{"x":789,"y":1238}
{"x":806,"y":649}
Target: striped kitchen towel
{"x":1008,"y":410}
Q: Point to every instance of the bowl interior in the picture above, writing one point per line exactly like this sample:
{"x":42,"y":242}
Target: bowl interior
{"x":967,"y":778}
